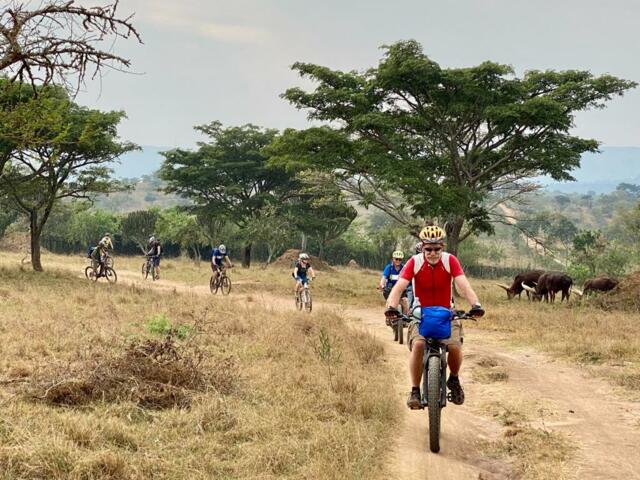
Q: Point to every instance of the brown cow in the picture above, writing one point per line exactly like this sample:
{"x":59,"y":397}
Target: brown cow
{"x":528,"y":278}
{"x":549,"y":284}
{"x":599,"y":284}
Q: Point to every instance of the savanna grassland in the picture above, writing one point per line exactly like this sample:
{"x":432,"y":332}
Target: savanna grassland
{"x":606,"y":342}
{"x":127,"y":381}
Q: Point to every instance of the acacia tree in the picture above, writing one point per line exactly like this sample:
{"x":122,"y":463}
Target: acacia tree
{"x":60,"y":39}
{"x":229,"y":176}
{"x":58,"y":150}
{"x":419,"y":140}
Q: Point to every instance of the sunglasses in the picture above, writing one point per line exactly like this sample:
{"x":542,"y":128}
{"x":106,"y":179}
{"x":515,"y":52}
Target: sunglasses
{"x":429,"y":250}
{"x":399,"y":259}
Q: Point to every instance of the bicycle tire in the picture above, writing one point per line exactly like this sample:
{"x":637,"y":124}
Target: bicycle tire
{"x":111,"y":275}
{"x":89,"y":272}
{"x":433,"y":402}
{"x":108,"y":262}
{"x":400,"y":329}
{"x":225,"y":285}
{"x":214,"y":285}
{"x":145,"y":270}
{"x":308,"y":305}
{"x":298,"y":301}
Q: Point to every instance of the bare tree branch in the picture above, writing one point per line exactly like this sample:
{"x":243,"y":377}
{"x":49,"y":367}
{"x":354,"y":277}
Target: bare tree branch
{"x":60,"y":41}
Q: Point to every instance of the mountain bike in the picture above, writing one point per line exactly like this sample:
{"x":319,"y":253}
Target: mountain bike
{"x":93,"y":273}
{"x":222,"y":282}
{"x":148,"y":267}
{"x":303,"y":298}
{"x":434,"y":380}
{"x":398,"y":325}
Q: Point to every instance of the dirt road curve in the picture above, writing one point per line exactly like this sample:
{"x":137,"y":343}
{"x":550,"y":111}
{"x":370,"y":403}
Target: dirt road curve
{"x":604,"y":428}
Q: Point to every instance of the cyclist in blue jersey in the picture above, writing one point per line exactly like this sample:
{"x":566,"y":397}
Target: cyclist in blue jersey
{"x":301,"y":270}
{"x":390,"y":276}
{"x":219,"y":257}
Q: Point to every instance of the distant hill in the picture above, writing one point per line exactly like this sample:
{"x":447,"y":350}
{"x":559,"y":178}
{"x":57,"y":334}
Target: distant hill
{"x":139,"y":163}
{"x":601,"y":172}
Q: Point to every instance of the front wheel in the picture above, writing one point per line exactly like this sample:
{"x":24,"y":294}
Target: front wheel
{"x":433,"y":401}
{"x":213,"y":285}
{"x":225,"y":285}
{"x":110,"y":275}
{"x":307,"y":301}
{"x":145,"y":270}
{"x":298,"y":296}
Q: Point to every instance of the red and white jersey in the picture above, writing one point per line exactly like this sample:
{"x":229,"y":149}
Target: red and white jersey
{"x":432,"y":283}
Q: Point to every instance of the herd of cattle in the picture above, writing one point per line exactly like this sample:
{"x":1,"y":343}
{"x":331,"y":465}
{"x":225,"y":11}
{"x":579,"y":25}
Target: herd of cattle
{"x":538,"y":285}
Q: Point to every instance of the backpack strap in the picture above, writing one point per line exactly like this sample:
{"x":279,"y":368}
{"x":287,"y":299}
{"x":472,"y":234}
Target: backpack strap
{"x":446,"y":262}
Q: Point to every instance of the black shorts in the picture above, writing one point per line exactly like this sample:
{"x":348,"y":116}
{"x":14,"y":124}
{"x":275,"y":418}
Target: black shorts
{"x":387,"y":291}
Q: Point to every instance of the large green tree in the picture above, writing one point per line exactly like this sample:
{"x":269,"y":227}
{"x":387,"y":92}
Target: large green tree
{"x":229,"y":176}
{"x":422,"y":142}
{"x":55,"y":150}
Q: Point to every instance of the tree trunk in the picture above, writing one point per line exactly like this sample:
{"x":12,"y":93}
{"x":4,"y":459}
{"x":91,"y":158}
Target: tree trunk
{"x":246,"y":258}
{"x":303,"y":246}
{"x":321,"y":249}
{"x":270,"y":251}
{"x":453,"y":229}
{"x":35,"y":232}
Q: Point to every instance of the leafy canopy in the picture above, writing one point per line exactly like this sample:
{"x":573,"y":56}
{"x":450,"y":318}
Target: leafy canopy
{"x":447,"y":140}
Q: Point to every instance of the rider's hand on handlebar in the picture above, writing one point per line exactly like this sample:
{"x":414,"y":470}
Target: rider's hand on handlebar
{"x":476,"y":311}
{"x":391,"y":313}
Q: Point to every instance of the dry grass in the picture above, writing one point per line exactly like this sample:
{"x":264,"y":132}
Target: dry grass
{"x":607,"y":342}
{"x":270,"y":413}
{"x":536,"y":452}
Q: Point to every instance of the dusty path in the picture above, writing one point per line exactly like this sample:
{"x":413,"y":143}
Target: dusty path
{"x":604,"y":428}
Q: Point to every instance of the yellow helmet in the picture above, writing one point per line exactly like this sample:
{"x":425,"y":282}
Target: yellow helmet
{"x":432,"y":234}
{"x":398,"y":254}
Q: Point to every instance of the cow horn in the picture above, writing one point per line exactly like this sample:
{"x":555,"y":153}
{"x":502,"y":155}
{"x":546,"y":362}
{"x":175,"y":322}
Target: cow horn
{"x":577,"y":291}
{"x":501,"y":285}
{"x":528,"y":288}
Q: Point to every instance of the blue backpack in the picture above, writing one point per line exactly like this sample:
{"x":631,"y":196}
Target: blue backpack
{"x":90,"y":251}
{"x":435,"y":322}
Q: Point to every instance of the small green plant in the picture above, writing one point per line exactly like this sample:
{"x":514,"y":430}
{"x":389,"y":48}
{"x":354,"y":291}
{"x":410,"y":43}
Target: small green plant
{"x":161,"y":325}
{"x":328,"y":354}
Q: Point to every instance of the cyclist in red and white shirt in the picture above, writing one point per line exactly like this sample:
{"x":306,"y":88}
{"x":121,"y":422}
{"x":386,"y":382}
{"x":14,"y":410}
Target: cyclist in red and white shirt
{"x":432,"y":273}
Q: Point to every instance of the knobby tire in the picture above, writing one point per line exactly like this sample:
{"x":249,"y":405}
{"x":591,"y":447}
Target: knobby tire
{"x":110,"y":274}
{"x":433,"y":401}
{"x":225,"y":285}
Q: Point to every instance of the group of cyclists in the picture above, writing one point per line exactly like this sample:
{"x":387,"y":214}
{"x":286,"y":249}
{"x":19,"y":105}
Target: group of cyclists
{"x":424,"y":284}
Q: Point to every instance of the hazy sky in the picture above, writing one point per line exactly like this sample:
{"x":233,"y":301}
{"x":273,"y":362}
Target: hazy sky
{"x":205,"y":60}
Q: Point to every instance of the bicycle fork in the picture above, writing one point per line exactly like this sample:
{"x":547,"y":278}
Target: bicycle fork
{"x":441,"y":353}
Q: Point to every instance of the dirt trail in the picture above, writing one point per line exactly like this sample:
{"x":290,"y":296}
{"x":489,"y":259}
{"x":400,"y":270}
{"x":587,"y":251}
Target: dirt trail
{"x":605,"y":428}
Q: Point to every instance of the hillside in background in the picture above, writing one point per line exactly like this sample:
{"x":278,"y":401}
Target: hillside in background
{"x":599,"y":173}
{"x":146,"y":193}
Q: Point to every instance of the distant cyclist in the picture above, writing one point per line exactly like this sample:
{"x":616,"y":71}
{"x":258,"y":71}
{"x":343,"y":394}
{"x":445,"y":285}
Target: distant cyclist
{"x":432,"y":272}
{"x":101,"y":251}
{"x":301,"y":272}
{"x":154,"y":250}
{"x":390,"y":276}
{"x":219,"y":257}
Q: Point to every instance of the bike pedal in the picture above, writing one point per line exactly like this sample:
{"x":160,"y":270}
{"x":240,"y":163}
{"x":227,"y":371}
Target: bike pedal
{"x":450,"y":397}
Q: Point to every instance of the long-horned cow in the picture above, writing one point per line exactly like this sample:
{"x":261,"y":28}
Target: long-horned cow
{"x":598,"y":284}
{"x":549,"y":283}
{"x":528,"y":278}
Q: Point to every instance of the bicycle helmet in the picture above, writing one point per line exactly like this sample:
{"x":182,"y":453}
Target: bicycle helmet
{"x":152,"y":239}
{"x":419,"y":247}
{"x":304,"y":256}
{"x":223,"y":249}
{"x":107,"y":235}
{"x":398,"y":254}
{"x":432,"y":234}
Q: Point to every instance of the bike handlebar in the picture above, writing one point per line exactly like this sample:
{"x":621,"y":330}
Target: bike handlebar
{"x":457,"y":315}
